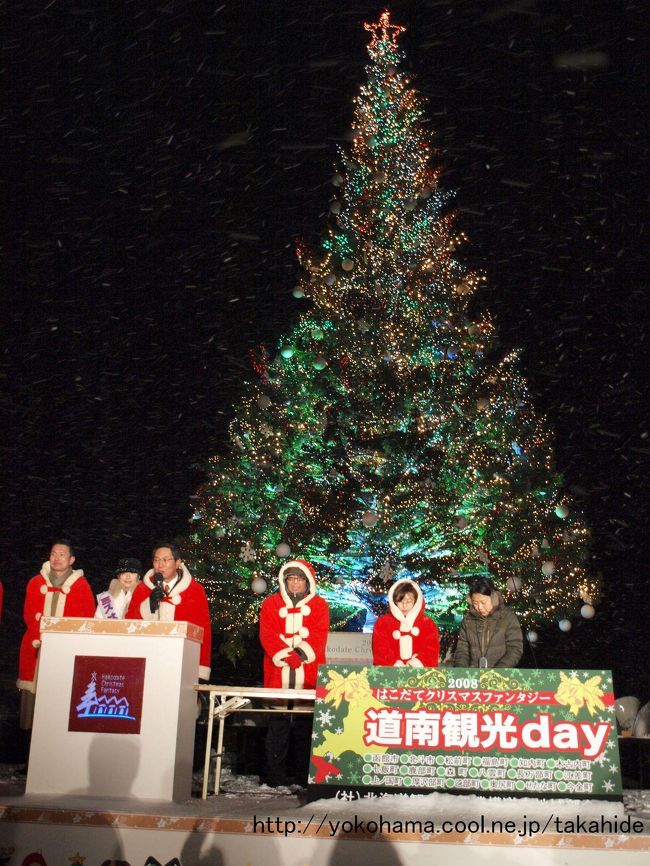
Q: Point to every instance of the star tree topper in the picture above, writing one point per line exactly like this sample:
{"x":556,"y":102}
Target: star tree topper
{"x":389,"y":32}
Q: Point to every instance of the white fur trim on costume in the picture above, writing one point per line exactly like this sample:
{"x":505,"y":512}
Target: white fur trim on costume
{"x":397,"y":634}
{"x":36,"y":644}
{"x":415,"y":662}
{"x":303,"y":632}
{"x":409,"y":618}
{"x":279,"y":658}
{"x":166,"y":612}
{"x":310,"y":655}
{"x":306,"y":610}
{"x":175,"y":599}
{"x":65,"y":589}
{"x":283,"y":613}
{"x":310,"y":574}
{"x":399,"y":664}
{"x":299,"y":677}
{"x":145,"y":610}
{"x":204,"y":673}
{"x":415,"y":631}
{"x":44,"y":589}
{"x":405,"y":647}
{"x":26,"y":685}
{"x":37,"y":615}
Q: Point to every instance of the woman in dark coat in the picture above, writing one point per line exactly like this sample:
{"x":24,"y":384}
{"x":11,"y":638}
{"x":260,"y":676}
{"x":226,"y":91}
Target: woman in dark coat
{"x":490,"y":634}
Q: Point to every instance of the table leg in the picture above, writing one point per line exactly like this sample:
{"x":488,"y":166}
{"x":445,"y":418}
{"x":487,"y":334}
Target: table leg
{"x":217,"y":769}
{"x":208,"y":746}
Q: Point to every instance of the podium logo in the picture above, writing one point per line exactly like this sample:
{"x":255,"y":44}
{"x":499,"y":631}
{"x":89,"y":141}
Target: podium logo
{"x":106,"y":695}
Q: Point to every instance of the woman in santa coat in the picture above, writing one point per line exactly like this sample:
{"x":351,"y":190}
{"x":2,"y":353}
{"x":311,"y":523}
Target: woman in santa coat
{"x":405,"y":636}
{"x":294,"y":624}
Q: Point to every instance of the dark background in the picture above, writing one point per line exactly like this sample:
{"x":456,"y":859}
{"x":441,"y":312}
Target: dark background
{"x":159,"y":163}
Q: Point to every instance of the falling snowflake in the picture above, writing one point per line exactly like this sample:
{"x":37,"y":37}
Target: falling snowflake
{"x":247,"y":552}
{"x":386,"y":572}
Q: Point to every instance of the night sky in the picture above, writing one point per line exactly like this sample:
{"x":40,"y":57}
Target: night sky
{"x":159,"y":163}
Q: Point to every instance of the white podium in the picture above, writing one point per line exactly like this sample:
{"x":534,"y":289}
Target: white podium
{"x":115,"y":709}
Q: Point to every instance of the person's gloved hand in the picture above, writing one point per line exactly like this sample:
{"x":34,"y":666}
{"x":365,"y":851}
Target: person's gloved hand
{"x":157,"y":595}
{"x":293,"y":660}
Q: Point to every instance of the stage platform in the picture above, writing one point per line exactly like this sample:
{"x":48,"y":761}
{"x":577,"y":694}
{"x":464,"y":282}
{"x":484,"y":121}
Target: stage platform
{"x":249,"y":824}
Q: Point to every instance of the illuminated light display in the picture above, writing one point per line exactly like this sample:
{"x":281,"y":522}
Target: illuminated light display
{"x":385,"y":437}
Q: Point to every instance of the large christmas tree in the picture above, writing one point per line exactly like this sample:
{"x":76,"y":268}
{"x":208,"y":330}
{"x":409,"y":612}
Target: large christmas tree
{"x":384,"y":439}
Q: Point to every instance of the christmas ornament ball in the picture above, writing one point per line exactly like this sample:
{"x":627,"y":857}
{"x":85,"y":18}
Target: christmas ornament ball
{"x":283,"y":550}
{"x":339,"y":580}
{"x":369,"y":518}
{"x":565,"y":625}
{"x":330,"y":279}
{"x":548,"y":567}
{"x":460,"y":522}
{"x":337,"y":179}
{"x":587,"y":611}
{"x":335,"y":207}
{"x":317,"y":333}
{"x":263,"y":401}
{"x":531,"y":637}
{"x":482,"y":404}
{"x":513,"y":583}
{"x":287,"y":351}
{"x":363,"y":326}
{"x":562,"y":510}
{"x":347,"y":264}
{"x":298,"y":292}
{"x":319,"y":363}
{"x":258,"y":585}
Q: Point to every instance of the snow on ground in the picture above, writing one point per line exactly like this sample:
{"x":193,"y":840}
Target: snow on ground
{"x":241,"y":796}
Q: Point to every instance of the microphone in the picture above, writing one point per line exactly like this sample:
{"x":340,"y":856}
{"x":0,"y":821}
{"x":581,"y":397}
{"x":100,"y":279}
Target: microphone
{"x":157,"y":592}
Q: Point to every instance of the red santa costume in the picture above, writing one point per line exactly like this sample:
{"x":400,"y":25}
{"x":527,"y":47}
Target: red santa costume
{"x":405,"y":639}
{"x":186,"y":602}
{"x":286,"y":628}
{"x":73,"y":597}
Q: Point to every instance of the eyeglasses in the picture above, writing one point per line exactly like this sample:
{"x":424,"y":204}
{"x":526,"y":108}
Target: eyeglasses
{"x":163,"y":560}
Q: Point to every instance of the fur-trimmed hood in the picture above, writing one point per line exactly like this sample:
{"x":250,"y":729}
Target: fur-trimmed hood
{"x":406,"y":620}
{"x":310,"y":573}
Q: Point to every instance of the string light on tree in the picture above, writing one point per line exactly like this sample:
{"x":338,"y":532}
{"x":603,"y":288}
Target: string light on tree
{"x":386,"y":429}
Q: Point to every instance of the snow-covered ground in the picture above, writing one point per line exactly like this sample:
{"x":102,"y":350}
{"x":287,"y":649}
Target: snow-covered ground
{"x":242,"y":795}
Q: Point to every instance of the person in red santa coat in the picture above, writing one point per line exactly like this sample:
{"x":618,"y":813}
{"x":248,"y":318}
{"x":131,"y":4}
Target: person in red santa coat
{"x":294,"y":624}
{"x":405,"y":636}
{"x":58,"y":590}
{"x":169,"y":593}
